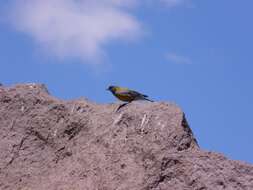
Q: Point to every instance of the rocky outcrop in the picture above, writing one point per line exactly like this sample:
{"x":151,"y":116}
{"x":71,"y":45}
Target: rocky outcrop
{"x":50,"y":144}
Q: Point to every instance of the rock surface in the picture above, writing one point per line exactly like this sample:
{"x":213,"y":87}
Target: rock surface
{"x":50,"y":144}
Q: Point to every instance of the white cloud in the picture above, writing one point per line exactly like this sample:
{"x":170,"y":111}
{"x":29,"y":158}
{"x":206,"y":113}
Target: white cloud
{"x":72,"y":27}
{"x":178,"y":59}
{"x":77,"y":28}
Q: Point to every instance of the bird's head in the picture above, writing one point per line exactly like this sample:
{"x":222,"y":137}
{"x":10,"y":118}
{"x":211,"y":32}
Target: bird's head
{"x":111,"y":88}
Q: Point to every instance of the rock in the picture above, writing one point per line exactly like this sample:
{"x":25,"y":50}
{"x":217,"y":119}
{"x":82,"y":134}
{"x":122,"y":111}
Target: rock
{"x":46,"y":143}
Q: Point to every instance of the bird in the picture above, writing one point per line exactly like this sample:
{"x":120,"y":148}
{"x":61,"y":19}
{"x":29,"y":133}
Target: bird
{"x":127,"y":95}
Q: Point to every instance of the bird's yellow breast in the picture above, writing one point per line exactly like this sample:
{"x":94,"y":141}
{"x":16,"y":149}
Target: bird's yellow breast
{"x":124,"y":97}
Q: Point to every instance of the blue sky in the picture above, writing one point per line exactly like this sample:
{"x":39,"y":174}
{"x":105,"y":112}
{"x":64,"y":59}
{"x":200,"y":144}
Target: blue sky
{"x":195,"y":53}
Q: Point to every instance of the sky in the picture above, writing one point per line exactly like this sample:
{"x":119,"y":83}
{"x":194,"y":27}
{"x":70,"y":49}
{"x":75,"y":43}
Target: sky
{"x":195,"y":53}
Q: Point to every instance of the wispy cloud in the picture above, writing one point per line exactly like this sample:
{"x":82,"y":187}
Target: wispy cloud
{"x":178,"y":59}
{"x":74,"y":28}
{"x":77,"y":28}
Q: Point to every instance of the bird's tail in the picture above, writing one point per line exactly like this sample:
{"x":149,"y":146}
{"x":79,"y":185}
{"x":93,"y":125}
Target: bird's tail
{"x":148,"y":99}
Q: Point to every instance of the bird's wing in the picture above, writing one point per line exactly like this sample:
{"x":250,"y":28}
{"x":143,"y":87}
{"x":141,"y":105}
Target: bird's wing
{"x":138,"y":94}
{"x":132,"y":93}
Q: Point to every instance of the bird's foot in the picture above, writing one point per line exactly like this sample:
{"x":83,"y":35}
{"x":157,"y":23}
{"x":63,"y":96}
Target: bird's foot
{"x":121,"y":106}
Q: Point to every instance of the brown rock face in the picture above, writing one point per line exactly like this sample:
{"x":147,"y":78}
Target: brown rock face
{"x":50,"y":144}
